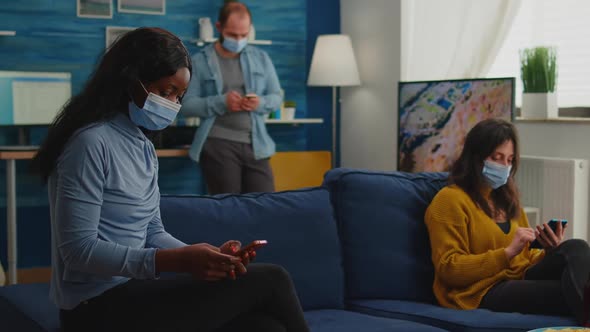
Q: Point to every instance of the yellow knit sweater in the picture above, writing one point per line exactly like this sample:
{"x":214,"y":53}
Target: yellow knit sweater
{"x":468,"y":250}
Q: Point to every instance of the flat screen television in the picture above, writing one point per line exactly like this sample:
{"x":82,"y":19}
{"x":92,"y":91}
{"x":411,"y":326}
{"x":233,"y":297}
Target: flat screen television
{"x":435,"y":117}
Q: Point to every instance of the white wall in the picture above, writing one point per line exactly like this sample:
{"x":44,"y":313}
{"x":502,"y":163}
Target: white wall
{"x":555,"y":139}
{"x":368,"y":131}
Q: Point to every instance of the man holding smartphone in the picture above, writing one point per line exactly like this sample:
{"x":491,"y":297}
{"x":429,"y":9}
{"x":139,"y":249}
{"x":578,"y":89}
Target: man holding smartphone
{"x":233,"y":89}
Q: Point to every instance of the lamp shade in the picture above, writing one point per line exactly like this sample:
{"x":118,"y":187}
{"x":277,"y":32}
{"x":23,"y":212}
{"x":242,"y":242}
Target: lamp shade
{"x":333,"y":62}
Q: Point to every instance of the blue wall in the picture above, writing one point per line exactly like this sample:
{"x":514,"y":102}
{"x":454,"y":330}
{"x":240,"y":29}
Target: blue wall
{"x":323,"y":17}
{"x":51,"y":38}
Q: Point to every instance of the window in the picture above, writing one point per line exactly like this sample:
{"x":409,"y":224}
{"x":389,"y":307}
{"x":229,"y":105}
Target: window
{"x":564,"y":24}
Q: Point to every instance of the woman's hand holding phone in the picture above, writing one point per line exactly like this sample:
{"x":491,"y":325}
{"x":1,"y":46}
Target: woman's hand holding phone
{"x":551,"y":234}
{"x":523,"y":236}
{"x":232,"y":247}
{"x":202,"y":260}
{"x":247,"y":253}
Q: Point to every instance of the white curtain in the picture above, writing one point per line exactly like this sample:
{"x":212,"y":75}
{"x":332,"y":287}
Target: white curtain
{"x":453,"y":39}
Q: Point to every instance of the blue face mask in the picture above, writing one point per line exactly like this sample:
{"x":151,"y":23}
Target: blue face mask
{"x":157,"y":112}
{"x":234,"y":45}
{"x":495,"y":174}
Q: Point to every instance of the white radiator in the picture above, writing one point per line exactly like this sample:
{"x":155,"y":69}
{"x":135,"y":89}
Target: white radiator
{"x":559,"y":189}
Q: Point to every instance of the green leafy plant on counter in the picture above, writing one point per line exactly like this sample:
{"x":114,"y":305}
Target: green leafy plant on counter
{"x":290,"y":103}
{"x":538,"y":67}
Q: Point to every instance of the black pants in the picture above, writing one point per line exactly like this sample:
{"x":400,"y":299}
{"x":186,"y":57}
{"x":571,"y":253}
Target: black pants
{"x":230,"y":167}
{"x":261,"y":300}
{"x":554,"y":286}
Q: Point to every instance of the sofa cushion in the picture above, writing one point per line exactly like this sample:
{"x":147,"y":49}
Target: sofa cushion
{"x":27,"y":308}
{"x":385,"y":243}
{"x":299,"y":226}
{"x":343,"y":321}
{"x":480,"y":320}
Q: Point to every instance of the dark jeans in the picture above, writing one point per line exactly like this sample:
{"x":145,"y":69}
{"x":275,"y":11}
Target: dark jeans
{"x":230,"y":167}
{"x":554,"y":286}
{"x":263,"y":299}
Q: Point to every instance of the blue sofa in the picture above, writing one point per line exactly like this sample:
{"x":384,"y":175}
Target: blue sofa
{"x":356,"y":247}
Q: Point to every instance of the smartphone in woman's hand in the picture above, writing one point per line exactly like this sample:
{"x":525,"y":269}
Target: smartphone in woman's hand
{"x":553,"y":224}
{"x":254,"y":245}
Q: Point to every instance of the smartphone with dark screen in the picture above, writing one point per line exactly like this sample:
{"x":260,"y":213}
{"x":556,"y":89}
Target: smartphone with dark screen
{"x":553,"y":224}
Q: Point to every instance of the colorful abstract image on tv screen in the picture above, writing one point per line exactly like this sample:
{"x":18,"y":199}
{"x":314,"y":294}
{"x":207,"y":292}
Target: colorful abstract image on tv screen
{"x":435,"y":117}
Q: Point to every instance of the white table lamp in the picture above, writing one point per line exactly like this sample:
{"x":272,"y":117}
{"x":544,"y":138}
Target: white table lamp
{"x":333,"y":64}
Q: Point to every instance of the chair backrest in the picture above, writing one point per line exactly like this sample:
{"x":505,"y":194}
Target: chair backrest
{"x":300,"y":169}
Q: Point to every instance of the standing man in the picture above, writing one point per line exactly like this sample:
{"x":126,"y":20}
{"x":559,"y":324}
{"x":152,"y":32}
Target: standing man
{"x":233,"y":88}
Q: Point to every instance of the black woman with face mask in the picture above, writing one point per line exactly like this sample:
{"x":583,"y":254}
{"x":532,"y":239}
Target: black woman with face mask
{"x":109,"y":245}
{"x":481,"y":239}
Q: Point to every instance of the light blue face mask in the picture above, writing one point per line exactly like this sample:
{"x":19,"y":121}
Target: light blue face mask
{"x":157,"y":112}
{"x":234,"y":45}
{"x":495,"y":174}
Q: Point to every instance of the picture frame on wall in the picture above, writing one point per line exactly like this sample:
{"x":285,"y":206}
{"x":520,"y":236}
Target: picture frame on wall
{"x":94,"y":8}
{"x":435,"y":117}
{"x":112,"y":33}
{"x":147,"y":7}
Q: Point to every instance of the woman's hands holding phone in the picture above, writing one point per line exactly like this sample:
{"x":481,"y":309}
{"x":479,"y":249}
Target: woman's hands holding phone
{"x":207,"y":262}
{"x":548,"y":238}
{"x":246,"y":253}
{"x":233,"y":247}
{"x":203,"y":261}
{"x":522,"y":236}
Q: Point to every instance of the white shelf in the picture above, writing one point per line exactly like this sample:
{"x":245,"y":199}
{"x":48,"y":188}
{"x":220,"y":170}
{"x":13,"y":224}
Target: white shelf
{"x":196,"y":122}
{"x":7,"y":33}
{"x":295,"y":121}
{"x":555,"y":120}
{"x":260,"y":42}
{"x":201,"y":42}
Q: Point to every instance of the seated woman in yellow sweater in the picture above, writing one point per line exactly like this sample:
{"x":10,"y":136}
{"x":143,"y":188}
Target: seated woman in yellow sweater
{"x":480,"y":238}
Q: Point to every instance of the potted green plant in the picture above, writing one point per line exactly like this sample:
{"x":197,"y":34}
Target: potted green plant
{"x":288,"y":111}
{"x":538,"y":67}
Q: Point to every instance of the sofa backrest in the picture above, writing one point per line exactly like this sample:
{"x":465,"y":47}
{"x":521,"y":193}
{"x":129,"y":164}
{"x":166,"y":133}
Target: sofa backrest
{"x":385,"y":245}
{"x":299,"y":226}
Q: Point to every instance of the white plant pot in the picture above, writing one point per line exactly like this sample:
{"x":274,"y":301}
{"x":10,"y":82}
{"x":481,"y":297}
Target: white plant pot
{"x":288,"y":113}
{"x":192,"y":121}
{"x":539,"y":105}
